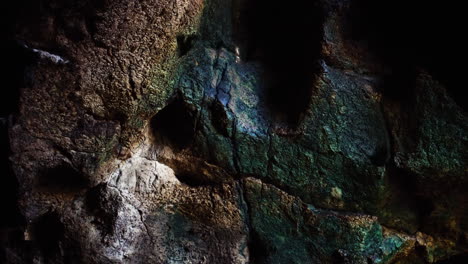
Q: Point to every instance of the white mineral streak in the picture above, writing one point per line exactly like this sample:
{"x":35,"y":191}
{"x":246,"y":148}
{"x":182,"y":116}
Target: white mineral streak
{"x":52,"y":57}
{"x":238,"y":59}
{"x":48,"y":56}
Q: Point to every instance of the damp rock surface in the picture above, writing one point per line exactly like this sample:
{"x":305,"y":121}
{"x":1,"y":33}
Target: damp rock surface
{"x":232,"y":131}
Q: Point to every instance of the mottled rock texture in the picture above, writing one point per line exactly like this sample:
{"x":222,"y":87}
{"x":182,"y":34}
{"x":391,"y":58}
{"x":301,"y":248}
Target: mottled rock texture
{"x":233,"y":131}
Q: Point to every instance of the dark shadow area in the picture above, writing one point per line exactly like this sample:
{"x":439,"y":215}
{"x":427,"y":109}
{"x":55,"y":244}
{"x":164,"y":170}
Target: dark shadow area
{"x":174,"y":125}
{"x":48,"y":236}
{"x":61,"y":179}
{"x":257,"y":249}
{"x":406,"y":198}
{"x":399,"y":84}
{"x":286,"y":39}
{"x":13,"y":68}
{"x":380,"y":156}
{"x":47,"y":232}
{"x":13,"y":63}
{"x":219,"y":118}
{"x":409,"y":35}
{"x":457,"y":259}
{"x":12,"y":222}
{"x":184,"y":44}
{"x":76,"y":19}
{"x":104,"y":205}
{"x":338,"y":258}
{"x":8,"y":185}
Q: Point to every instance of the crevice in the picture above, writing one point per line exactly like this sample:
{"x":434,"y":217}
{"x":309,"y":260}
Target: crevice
{"x":286,"y":40}
{"x":244,"y":204}
{"x":258,"y":252}
{"x":142,"y":219}
{"x":266,"y":181}
{"x":219,"y":118}
{"x":133,"y":86}
{"x":235,"y":148}
{"x":174,"y":125}
{"x":384,"y":155}
{"x":270,"y":155}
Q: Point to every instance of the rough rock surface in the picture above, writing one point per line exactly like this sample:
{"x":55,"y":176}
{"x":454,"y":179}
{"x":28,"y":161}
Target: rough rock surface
{"x":233,"y":131}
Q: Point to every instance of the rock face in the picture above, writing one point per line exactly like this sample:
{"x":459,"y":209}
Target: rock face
{"x":233,"y":131}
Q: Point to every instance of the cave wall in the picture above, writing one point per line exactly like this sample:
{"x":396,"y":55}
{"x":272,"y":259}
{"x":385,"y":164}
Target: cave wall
{"x":233,"y":131}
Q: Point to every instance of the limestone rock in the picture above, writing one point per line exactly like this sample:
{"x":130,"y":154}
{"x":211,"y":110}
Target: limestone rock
{"x":232,"y":131}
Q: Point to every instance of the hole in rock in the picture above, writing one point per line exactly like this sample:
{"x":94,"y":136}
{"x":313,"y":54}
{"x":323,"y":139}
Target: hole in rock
{"x":47,"y":232}
{"x":174,"y":125}
{"x":61,"y":179}
{"x":184,"y":44}
{"x":194,"y":180}
{"x":286,"y":39}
